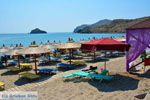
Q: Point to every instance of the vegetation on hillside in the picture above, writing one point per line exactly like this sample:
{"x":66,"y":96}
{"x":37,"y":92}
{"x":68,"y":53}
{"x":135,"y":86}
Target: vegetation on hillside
{"x":115,"y":26}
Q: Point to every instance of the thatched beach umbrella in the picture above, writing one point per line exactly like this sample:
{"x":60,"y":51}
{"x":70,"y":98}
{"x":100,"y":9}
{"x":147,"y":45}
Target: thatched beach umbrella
{"x":48,"y":42}
{"x":11,"y":47}
{"x":4,"y":49}
{"x":13,"y":52}
{"x":51,"y":46}
{"x":33,"y":50}
{"x":70,"y":46}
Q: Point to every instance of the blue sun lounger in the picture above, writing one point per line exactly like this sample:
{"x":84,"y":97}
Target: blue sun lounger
{"x":43,"y":61}
{"x":12,"y":62}
{"x":66,"y":66}
{"x":55,"y":58}
{"x":46,"y":70}
{"x":91,"y":75}
{"x":80,"y":72}
{"x":1,"y":66}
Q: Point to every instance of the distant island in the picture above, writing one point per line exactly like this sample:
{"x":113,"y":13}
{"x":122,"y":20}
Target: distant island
{"x":108,"y":26}
{"x":37,"y":31}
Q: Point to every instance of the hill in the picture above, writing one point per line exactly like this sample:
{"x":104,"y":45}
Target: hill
{"x":109,"y":26}
{"x":37,"y":31}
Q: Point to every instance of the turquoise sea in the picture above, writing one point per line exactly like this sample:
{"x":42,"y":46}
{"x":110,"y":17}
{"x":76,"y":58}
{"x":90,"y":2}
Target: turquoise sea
{"x":26,"y":39}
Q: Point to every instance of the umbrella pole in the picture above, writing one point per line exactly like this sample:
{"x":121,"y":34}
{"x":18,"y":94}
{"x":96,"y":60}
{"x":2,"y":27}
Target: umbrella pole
{"x":105,"y":61}
{"x":19,"y":61}
{"x":35,"y":64}
{"x":70,"y":55}
{"x":5,"y":61}
{"x":94,"y":55}
{"x":49,"y":56}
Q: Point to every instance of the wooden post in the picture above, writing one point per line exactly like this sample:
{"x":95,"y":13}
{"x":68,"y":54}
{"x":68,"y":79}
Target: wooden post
{"x":94,"y":55}
{"x":105,"y":61}
{"x":35,"y":64}
{"x":70,"y":56}
{"x":19,"y":61}
{"x":5,"y":61}
{"x":49,"y":56}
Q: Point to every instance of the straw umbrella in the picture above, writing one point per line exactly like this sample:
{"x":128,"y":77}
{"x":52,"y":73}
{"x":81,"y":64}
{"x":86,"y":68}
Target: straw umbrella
{"x":49,"y":46}
{"x":4,"y":49}
{"x":34,"y":50}
{"x":11,"y":47}
{"x":13,"y":52}
{"x":70,"y":46}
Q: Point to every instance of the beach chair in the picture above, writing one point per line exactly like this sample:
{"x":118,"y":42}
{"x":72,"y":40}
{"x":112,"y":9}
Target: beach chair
{"x":73,"y":74}
{"x":14,"y":69}
{"x":91,"y":75}
{"x":1,"y":66}
{"x":2,"y":86}
{"x":55,"y":58}
{"x":94,"y":76}
{"x":11,"y":63}
{"x":65,"y":66}
{"x":47,"y":70}
{"x":29,"y":76}
{"x":43,"y":61}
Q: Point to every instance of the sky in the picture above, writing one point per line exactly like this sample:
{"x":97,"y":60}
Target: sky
{"x":21,"y":16}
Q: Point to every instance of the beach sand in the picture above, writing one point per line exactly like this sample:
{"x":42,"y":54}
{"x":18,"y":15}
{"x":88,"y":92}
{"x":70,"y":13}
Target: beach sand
{"x":123,"y":87}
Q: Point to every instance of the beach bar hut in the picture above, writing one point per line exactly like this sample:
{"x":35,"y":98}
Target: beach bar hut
{"x":138,"y":36}
{"x":105,"y":44}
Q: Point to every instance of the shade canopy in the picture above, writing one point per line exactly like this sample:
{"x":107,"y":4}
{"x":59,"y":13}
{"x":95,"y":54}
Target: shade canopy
{"x":12,"y":52}
{"x":49,"y":46}
{"x":3,"y":49}
{"x":69,"y":45}
{"x":11,"y":47}
{"x":33,"y":50}
{"x":105,"y":44}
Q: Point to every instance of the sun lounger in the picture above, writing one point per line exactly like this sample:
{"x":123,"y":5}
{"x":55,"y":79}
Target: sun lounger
{"x":25,"y":65}
{"x":1,"y":66}
{"x":73,"y":74}
{"x":66,"y":66}
{"x":14,"y":69}
{"x":91,"y":75}
{"x":2,"y":86}
{"x":43,"y":61}
{"x":55,"y":58}
{"x":12,"y":62}
{"x":28,"y":75}
{"x":46,"y":70}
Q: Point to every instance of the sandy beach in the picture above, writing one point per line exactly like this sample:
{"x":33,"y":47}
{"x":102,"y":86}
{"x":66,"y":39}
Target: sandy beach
{"x":123,"y":87}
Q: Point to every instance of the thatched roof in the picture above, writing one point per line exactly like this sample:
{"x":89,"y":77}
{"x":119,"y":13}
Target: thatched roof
{"x":71,"y":45}
{"x":141,"y":25}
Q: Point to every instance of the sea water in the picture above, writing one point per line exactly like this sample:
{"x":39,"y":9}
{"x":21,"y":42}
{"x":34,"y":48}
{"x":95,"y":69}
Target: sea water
{"x":26,"y":39}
